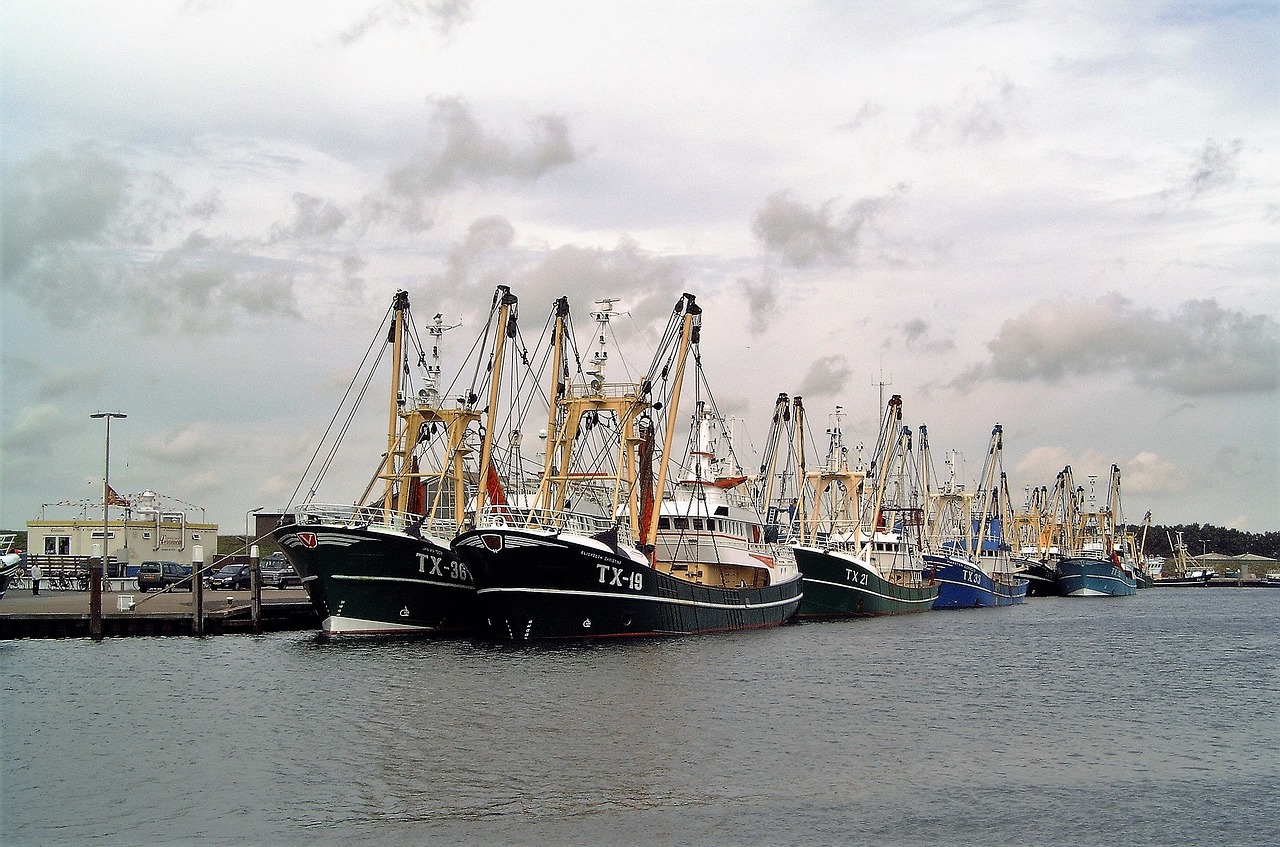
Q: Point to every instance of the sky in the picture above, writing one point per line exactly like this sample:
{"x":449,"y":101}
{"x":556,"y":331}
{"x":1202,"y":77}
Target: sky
{"x":1061,"y":220}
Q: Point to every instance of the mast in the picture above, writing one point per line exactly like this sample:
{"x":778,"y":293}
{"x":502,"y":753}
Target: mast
{"x":506,"y":328}
{"x":559,"y":385}
{"x":886,"y":448}
{"x":801,"y":470}
{"x":987,"y":487}
{"x":781,"y":413}
{"x":689,"y":335}
{"x":400,"y":307}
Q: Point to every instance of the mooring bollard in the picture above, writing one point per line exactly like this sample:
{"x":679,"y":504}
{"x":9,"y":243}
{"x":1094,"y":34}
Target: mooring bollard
{"x":95,"y":592}
{"x":197,"y":589}
{"x":255,"y":584}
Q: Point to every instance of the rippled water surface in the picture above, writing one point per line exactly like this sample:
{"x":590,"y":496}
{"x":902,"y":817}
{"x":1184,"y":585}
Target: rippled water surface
{"x":1138,"y":721}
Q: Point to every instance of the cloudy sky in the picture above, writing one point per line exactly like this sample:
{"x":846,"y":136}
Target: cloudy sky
{"x":1062,"y":220}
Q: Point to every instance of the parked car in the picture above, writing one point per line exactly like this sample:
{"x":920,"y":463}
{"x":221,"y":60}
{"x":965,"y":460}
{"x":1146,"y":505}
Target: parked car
{"x":276,"y":571}
{"x":231,"y":578}
{"x":162,"y":575}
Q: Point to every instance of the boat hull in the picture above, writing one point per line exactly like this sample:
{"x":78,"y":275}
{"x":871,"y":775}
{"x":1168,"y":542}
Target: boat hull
{"x":964,"y":585}
{"x":534,"y":585}
{"x":1041,"y":577}
{"x":370,"y":581}
{"x":1090,"y":577}
{"x":837,"y":585}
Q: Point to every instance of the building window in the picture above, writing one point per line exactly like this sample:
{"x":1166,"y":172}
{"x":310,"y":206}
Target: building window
{"x":57,"y":545}
{"x":146,"y":535}
{"x":195,"y":536}
{"x":110,"y":534}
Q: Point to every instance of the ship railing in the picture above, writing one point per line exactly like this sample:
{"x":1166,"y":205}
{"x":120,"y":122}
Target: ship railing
{"x":553,"y":520}
{"x":610,"y":390}
{"x":346,"y":514}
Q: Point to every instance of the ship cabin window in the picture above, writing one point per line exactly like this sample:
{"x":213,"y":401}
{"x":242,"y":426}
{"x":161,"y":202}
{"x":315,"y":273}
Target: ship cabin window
{"x":680,"y":523}
{"x":697,"y":523}
{"x":711,"y":525}
{"x":664,"y":523}
{"x":58,"y":545}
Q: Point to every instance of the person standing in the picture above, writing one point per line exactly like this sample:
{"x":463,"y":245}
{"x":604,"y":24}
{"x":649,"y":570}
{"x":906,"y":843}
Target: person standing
{"x":36,"y":574}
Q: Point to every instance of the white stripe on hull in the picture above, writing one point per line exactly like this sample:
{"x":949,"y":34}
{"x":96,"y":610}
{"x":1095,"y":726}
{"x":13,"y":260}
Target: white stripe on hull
{"x":412,"y":581}
{"x":672,"y":600}
{"x":859,"y":589}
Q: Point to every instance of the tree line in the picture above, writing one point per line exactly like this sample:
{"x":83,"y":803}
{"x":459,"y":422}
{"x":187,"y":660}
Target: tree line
{"x":1202,"y":538}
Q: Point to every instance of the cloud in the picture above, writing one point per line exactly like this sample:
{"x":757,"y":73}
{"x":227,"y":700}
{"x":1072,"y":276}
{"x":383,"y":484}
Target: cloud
{"x":981,"y":115}
{"x":1147,"y":473}
{"x":1214,"y":166}
{"x":826,"y":377}
{"x":192,"y":445}
{"x":1201,"y":349}
{"x":55,"y":199}
{"x":647,"y":285}
{"x":79,"y":241}
{"x":465,"y":154}
{"x":762,"y":299}
{"x":33,"y":430}
{"x":314,"y":217}
{"x":74,"y":383}
{"x":486,"y":238}
{"x":805,"y":236}
{"x":918,"y":337}
{"x":444,"y":15}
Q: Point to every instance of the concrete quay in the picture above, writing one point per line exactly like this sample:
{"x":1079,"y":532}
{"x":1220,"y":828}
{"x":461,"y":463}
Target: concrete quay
{"x":65,"y":614}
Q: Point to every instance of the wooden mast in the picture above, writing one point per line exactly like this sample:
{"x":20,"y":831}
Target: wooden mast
{"x":506,"y":301}
{"x":689,"y":335}
{"x":801,"y":477}
{"x":400,"y":305}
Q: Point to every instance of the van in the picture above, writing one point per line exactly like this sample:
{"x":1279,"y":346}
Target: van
{"x":162,"y":575}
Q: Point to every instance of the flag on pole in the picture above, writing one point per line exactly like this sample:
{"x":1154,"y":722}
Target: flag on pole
{"x":114,"y":499}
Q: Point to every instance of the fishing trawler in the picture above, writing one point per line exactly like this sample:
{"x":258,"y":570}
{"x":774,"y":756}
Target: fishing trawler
{"x":846,"y":571}
{"x":1178,"y":571}
{"x":597,"y":551}
{"x":966,"y":551}
{"x":383,"y":565}
{"x":1102,"y":561}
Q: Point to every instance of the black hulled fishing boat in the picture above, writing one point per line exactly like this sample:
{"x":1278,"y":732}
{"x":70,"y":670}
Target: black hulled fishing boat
{"x":383,"y":564}
{"x":597,"y":552}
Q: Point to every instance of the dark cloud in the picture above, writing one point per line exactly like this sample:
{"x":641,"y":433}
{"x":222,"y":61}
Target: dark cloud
{"x":489,"y":239}
{"x":806,"y":236}
{"x":443,"y":15}
{"x":918,"y":337}
{"x":465,"y":154}
{"x":762,"y":299}
{"x":314,"y":217}
{"x":646,"y":285}
{"x":1199,"y":350}
{"x":826,"y":377}
{"x":54,"y":199}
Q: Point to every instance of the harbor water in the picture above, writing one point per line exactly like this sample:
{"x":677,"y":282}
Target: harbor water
{"x":1146,"y":720}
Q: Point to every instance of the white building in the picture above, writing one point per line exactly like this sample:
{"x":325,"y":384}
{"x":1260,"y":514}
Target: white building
{"x":147,"y":529}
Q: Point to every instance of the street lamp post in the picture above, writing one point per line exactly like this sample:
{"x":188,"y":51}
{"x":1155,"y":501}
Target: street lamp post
{"x":96,"y":571}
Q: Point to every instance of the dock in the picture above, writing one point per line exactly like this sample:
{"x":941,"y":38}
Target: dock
{"x":65,"y":614}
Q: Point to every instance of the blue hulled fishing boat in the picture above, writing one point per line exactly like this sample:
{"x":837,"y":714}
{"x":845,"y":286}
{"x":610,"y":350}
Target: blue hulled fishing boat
{"x":968,"y":556}
{"x":1103,"y":563}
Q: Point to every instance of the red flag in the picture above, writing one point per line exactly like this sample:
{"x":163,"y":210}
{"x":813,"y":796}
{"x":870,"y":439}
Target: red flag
{"x":114,"y":499}
{"x":493,"y":488}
